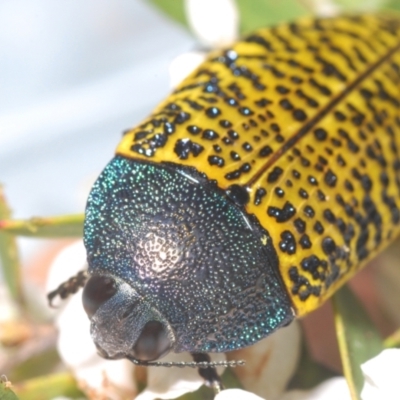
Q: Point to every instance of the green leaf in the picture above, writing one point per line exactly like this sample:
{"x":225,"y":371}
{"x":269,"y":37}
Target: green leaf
{"x":9,"y":259}
{"x":49,"y":227}
{"x":393,"y":340}
{"x":261,"y":13}
{"x":357,"y":336}
{"x":173,"y":8}
{"x":392,"y":5}
{"x":49,"y":386}
{"x":5,"y":392}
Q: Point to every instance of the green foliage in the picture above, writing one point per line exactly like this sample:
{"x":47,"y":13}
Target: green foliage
{"x":49,"y":227}
{"x":172,"y":8}
{"x":261,"y":13}
{"x":9,"y":259}
{"x":358,"y":338}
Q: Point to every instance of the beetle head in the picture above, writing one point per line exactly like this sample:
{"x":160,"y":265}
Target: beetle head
{"x":123,"y":324}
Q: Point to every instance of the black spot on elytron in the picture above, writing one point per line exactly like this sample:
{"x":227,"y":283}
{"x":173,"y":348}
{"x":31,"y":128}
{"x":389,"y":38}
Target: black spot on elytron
{"x":246,"y":167}
{"x":384,"y":179}
{"x":263,"y":102}
{"x":213,"y":112}
{"x":173,"y":107}
{"x":303,"y":194}
{"x":323,"y":89}
{"x":260,"y":193}
{"x":247,"y":147}
{"x":227,"y":141}
{"x":289,"y":183}
{"x":225,"y":124}
{"x":320,"y":134}
{"x":286,"y":104}
{"x":183,"y":148}
{"x":300,"y":225}
{"x":275,"y":127}
{"x":336,"y":142}
{"x":279,"y":138}
{"x":328,"y":245}
{"x":215,"y":160}
{"x":265,"y":151}
{"x":329,"y":216}
{"x":321,"y":196}
{"x":282,"y":89}
{"x":288,"y":243}
{"x":182,"y":117}
{"x":312,"y":180}
{"x":305,"y":162}
{"x":339,"y":116}
{"x":282,"y":214}
{"x":193,"y":129}
{"x":169,"y":128}
{"x":330,"y":178}
{"x":141,"y":135}
{"x":305,"y":242}
{"x":256,"y":138}
{"x":279,"y":192}
{"x":217,"y":148}
{"x":316,"y":267}
{"x":274,"y":175}
{"x":318,"y":227}
{"x":340,"y":160}
{"x":234,"y":156}
{"x":348,"y":185}
{"x":296,"y":79}
{"x":232,"y":175}
{"x":301,"y":285}
{"x":245,"y":111}
{"x":209,"y":134}
{"x":309,"y":211}
{"x":233,"y":134}
{"x":296,"y":174}
{"x":366,"y":183}
{"x":299,"y":115}
{"x":231,"y":101}
{"x":238,"y":194}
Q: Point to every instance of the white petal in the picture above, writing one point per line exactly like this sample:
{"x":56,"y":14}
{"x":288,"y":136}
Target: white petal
{"x":163,"y":383}
{"x":381,"y":375}
{"x":323,"y":8}
{"x":270,"y":363}
{"x":331,"y":389}
{"x":215,"y":22}
{"x":183,"y":65}
{"x":236,"y":394}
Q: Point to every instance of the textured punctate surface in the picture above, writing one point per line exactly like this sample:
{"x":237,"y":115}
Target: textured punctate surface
{"x":188,"y":251}
{"x":306,"y":116}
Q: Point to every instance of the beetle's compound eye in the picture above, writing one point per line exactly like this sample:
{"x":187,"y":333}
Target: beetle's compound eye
{"x":98,"y":290}
{"x":152,"y":343}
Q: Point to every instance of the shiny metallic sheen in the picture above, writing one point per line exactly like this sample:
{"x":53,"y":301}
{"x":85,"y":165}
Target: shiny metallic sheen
{"x":185,"y":255}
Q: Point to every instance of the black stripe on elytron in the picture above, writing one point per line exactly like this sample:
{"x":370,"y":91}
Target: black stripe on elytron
{"x":317,"y":118}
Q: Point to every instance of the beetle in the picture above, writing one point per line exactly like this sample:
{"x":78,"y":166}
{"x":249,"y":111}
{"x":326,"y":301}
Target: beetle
{"x":264,"y":182}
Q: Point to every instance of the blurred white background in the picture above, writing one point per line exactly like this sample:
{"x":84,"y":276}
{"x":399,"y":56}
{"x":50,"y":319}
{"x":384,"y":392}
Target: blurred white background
{"x":73,"y":75}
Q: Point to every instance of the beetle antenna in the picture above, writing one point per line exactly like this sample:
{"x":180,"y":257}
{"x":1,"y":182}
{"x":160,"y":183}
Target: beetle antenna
{"x":190,"y":364}
{"x":71,"y":286}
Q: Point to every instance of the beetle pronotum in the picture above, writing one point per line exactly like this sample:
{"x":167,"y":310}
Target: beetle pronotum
{"x":250,"y":195}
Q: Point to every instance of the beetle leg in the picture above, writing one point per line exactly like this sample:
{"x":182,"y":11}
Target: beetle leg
{"x":209,"y":374}
{"x":71,"y":286}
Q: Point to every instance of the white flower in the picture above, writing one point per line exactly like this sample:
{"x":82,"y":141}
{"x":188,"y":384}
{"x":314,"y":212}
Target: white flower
{"x":236,"y":394}
{"x":183,"y":65}
{"x":270,"y":363}
{"x":215,"y":22}
{"x":381,"y":375}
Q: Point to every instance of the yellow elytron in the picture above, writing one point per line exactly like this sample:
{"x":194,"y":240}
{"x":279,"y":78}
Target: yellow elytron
{"x":305,"y":117}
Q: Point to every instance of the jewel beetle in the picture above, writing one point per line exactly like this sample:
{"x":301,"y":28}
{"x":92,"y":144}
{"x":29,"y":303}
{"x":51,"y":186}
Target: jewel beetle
{"x":265,"y":181}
